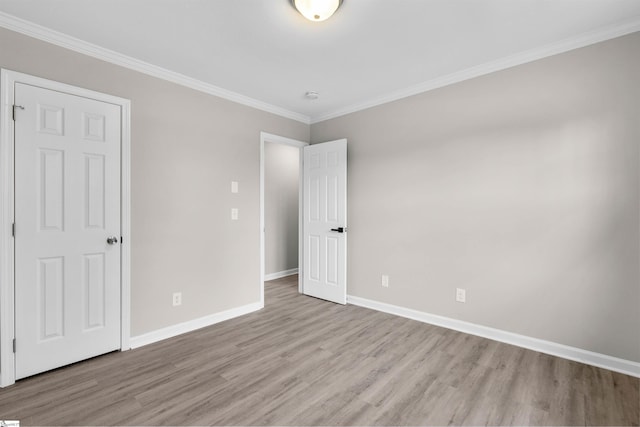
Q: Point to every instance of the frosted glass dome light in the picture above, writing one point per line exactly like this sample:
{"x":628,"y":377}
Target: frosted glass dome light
{"x":317,"y":10}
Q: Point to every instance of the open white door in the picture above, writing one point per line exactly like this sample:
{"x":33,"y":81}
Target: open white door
{"x":325,"y":221}
{"x":68,"y":228}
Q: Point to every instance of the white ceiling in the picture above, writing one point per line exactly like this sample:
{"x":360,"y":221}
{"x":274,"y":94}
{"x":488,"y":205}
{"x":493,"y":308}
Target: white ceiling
{"x":368,"y":52}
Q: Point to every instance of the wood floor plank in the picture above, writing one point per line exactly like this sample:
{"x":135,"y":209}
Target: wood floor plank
{"x":304,"y":361}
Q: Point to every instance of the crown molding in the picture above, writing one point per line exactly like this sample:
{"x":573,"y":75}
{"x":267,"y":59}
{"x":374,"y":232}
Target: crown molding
{"x":582,"y":40}
{"x":31,"y":29}
{"x":39,"y":32}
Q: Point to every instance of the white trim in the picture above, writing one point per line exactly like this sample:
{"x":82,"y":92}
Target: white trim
{"x":48,"y":35}
{"x":192,"y":325}
{"x":268,"y":137}
{"x":300,"y":221}
{"x":280,"y":274}
{"x":7,"y":362}
{"x":8,"y":79}
{"x":125,"y":226}
{"x":582,"y":40}
{"x":623,"y":366}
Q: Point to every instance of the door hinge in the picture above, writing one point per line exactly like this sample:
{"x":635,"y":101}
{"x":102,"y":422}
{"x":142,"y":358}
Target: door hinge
{"x":14,"y":111}
{"x":13,"y":229}
{"x":121,"y":239}
{"x":14,"y":345}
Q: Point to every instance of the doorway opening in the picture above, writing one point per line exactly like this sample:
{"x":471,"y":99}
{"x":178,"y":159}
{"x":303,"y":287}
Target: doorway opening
{"x":280,"y":208}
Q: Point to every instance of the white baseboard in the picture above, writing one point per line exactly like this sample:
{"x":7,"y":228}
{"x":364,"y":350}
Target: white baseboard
{"x":192,"y":325}
{"x":623,"y":366}
{"x":280,"y":274}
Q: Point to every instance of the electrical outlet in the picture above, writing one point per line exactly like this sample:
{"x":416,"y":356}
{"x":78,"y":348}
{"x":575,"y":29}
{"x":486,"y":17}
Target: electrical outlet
{"x":234,"y":214}
{"x":385,"y":281}
{"x":177,"y":299}
{"x":461,"y":295}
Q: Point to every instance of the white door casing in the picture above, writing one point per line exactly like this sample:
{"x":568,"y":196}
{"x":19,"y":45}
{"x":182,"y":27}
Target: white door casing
{"x":71,"y":295}
{"x":325,"y":221}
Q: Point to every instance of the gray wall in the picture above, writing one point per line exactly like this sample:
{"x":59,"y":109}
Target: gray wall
{"x":186,"y":149}
{"x":521,"y":186}
{"x":281,"y":175}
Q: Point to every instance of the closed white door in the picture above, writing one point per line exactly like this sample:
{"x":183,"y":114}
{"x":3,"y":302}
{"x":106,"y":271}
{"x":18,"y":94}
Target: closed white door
{"x":67,"y":208}
{"x":325,"y":221}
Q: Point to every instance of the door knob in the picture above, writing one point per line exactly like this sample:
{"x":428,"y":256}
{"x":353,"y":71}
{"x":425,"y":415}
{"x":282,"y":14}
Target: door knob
{"x":339,"y":229}
{"x":112,"y":240}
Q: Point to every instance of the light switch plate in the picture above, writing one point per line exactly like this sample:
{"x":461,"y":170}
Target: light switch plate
{"x":234,"y":186}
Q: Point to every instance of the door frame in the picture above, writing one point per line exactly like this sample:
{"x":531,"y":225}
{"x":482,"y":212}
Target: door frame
{"x":264,"y":138}
{"x":8,"y":79}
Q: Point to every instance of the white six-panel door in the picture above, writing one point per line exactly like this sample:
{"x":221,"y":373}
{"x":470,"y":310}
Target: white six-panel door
{"x":67,"y":204}
{"x":325,"y":221}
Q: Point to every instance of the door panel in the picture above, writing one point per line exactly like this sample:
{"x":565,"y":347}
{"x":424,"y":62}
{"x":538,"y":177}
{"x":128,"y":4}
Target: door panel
{"x":50,"y":188}
{"x":67,"y":186}
{"x":50,"y":298}
{"x":325,"y":208}
{"x":95,"y":203}
{"x":94,"y":291}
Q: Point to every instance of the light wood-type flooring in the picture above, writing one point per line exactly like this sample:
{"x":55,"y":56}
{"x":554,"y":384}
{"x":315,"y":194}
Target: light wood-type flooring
{"x":303,"y":361}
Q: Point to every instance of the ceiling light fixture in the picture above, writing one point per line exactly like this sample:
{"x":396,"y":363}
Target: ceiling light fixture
{"x":316,"y":10}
